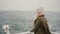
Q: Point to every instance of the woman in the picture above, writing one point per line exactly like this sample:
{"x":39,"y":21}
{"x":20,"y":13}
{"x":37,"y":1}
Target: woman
{"x":40,"y":23}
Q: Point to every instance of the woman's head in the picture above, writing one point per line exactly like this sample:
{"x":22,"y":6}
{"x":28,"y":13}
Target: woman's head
{"x":40,"y":11}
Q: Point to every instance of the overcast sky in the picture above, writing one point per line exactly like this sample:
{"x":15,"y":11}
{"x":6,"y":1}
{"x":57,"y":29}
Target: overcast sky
{"x":49,"y":5}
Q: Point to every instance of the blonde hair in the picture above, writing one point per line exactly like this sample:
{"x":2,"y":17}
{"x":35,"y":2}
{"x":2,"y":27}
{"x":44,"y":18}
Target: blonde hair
{"x":41,"y":10}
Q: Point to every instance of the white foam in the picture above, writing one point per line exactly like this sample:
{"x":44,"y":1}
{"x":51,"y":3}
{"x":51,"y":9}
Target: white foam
{"x":6,"y":28}
{"x":55,"y":32}
{"x":27,"y":32}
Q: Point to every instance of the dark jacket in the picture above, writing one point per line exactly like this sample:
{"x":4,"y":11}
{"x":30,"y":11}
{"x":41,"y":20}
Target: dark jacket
{"x":40,"y":26}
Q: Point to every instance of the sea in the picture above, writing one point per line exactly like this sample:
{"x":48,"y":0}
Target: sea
{"x":22,"y":21}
